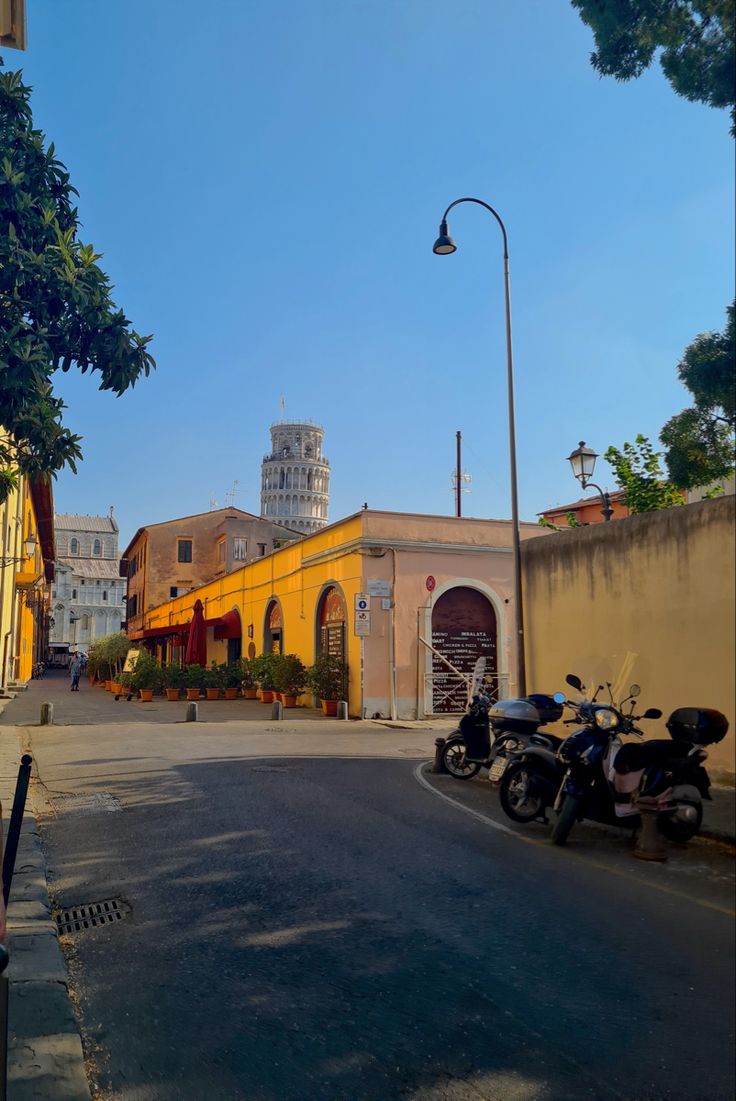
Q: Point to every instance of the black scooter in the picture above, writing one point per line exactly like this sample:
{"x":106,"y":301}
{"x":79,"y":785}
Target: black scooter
{"x":603,"y":777}
{"x":491,"y":732}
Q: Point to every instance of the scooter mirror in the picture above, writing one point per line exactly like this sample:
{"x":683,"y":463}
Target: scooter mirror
{"x":559,"y":697}
{"x":634,"y":691}
{"x":652,"y":713}
{"x":574,"y":681}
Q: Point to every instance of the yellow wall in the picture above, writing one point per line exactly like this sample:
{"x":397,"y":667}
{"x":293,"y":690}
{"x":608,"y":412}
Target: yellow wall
{"x":17,"y":623}
{"x":297,"y":585}
{"x":659,"y":586}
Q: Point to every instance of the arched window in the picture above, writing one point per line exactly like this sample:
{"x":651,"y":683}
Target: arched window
{"x":74,"y":546}
{"x":309,"y":479}
{"x":97,"y":548}
{"x":282,"y":477}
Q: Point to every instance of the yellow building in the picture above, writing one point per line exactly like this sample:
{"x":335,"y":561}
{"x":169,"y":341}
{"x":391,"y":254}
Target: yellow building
{"x":437,"y":590}
{"x":26,"y":564}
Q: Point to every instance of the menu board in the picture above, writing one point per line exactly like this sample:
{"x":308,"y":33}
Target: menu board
{"x":462,"y":648}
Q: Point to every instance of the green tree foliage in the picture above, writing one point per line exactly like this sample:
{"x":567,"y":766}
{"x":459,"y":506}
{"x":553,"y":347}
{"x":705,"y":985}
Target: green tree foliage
{"x":699,"y":442}
{"x":693,"y":38}
{"x":56,"y":310}
{"x":640,"y":476}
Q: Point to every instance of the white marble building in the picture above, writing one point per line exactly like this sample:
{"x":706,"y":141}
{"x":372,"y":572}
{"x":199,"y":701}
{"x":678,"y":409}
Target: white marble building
{"x":295,"y":477}
{"x":88,"y":594}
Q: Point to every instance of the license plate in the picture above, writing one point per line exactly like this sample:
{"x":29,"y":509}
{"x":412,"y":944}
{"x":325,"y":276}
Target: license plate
{"x":497,"y":769}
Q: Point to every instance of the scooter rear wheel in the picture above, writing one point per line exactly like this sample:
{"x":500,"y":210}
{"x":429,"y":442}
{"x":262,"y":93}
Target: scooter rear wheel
{"x":566,"y":819}
{"x":453,"y":756}
{"x":677,"y":830}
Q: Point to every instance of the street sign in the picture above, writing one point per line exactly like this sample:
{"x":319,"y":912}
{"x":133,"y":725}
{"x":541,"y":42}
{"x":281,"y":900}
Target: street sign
{"x":362,"y":623}
{"x":386,"y":604}
{"x":430,"y":583}
{"x":362,"y":602}
{"x":377,"y":587}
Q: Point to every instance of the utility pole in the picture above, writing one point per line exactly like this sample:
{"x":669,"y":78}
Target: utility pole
{"x":458,"y":477}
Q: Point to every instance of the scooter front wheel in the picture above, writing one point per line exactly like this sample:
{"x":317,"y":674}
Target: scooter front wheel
{"x":518,"y":793}
{"x":566,"y":819}
{"x":453,"y":756}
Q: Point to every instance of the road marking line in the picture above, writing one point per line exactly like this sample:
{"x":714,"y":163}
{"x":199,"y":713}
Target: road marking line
{"x":487,"y":821}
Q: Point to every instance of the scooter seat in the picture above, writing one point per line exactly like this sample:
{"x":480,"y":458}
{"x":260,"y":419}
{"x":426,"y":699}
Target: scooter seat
{"x":634,"y":758}
{"x":550,"y":740}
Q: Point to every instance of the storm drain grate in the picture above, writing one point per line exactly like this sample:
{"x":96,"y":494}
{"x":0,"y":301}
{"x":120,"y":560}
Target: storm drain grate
{"x":100,"y":802}
{"x":91,"y":915}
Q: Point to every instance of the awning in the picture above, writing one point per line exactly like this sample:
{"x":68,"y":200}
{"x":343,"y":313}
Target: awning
{"x":160,"y":632}
{"x":228,"y":626}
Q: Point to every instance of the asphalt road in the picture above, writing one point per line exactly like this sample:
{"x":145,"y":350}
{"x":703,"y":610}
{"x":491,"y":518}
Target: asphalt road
{"x":330,"y":930}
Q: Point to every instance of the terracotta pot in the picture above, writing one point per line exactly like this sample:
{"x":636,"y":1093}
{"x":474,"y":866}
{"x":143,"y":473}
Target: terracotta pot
{"x":231,"y":693}
{"x":250,"y":693}
{"x":172,"y":694}
{"x":288,"y":701}
{"x":212,"y":693}
{"x":193,"y":694}
{"x":329,"y":707}
{"x":266,"y":696}
{"x":116,"y":689}
{"x":146,"y":695}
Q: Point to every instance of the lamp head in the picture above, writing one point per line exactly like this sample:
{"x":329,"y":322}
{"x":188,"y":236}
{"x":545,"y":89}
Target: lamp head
{"x":29,"y":546}
{"x":444,"y":245}
{"x":582,"y":460}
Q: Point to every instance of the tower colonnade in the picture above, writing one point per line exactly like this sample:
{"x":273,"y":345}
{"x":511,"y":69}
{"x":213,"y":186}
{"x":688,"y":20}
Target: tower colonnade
{"x":295,"y":476}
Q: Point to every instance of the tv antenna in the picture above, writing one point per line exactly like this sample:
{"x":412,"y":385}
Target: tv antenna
{"x":231,"y":495}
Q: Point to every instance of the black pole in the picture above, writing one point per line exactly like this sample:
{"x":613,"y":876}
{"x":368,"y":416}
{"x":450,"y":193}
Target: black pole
{"x":16,"y":820}
{"x":458,"y":477}
{"x":3,"y":1023}
{"x":516,"y":534}
{"x":607,"y":510}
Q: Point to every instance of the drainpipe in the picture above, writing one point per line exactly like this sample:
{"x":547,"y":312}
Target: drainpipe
{"x":16,"y":594}
{"x":392,"y":639}
{"x":3,"y":571}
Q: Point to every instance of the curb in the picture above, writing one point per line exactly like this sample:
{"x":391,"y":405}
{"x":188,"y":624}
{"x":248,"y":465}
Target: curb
{"x":45,"y":1057}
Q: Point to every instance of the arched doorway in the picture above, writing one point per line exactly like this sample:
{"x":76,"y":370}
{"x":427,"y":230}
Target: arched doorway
{"x":463,"y":629}
{"x":273,"y":629}
{"x":331,"y":621}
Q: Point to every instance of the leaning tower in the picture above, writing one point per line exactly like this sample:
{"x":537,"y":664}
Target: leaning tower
{"x":295,"y":477}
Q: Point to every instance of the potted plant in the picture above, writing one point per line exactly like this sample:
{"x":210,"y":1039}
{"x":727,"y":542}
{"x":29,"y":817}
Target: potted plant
{"x":290,"y":678}
{"x":231,"y":677}
{"x":145,"y":677}
{"x":174,"y":678}
{"x":263,"y":670}
{"x":326,"y":678}
{"x":247,"y":679}
{"x":213,"y":681}
{"x":195,"y":676}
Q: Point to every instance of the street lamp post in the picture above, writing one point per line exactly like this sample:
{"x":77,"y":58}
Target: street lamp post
{"x":582,"y":460}
{"x":443,"y":246}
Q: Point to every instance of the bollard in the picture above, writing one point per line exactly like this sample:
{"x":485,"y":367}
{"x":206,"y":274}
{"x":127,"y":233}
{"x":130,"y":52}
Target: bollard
{"x":3,"y":1023}
{"x":47,"y":714}
{"x":15,"y":824}
{"x":277,"y":710}
{"x":650,"y":844}
{"x":191,"y":712}
{"x":342,"y":709}
{"x":438,"y":764}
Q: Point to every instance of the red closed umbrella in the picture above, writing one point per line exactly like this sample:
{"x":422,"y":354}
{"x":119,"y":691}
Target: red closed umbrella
{"x":196,"y":653}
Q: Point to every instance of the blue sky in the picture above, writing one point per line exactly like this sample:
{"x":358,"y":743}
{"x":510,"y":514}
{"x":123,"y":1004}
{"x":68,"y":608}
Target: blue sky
{"x":265,"y":180}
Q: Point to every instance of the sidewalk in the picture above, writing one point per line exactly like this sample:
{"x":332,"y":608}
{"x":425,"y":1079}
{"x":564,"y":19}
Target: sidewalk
{"x":45,"y":1060}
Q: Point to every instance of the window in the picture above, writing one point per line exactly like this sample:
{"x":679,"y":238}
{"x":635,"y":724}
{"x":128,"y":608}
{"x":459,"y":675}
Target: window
{"x":97,"y":548}
{"x":104,"y":594}
{"x":261,"y":549}
{"x":133,"y":605}
{"x":221,"y":546}
{"x":74,"y":546}
{"x":240,"y":549}
{"x":173,"y":591}
{"x":85,"y":622}
{"x":74,"y":594}
{"x":185,"y":550}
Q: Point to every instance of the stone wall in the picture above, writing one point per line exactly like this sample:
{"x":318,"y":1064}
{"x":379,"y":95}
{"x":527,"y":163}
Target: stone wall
{"x":651,"y":596}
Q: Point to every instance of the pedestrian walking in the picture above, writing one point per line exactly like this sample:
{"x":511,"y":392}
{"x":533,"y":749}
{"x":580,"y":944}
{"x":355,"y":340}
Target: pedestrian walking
{"x":75,"y":672}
